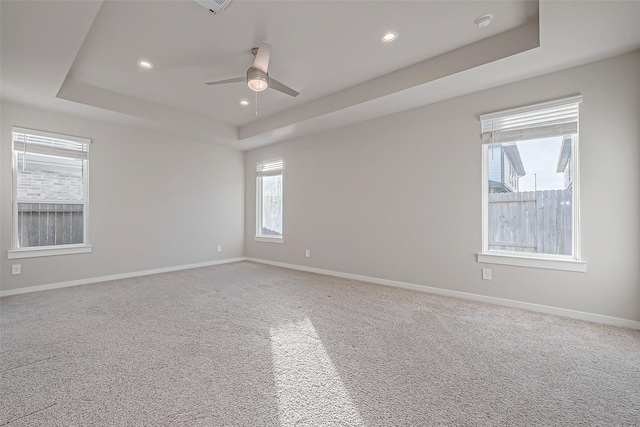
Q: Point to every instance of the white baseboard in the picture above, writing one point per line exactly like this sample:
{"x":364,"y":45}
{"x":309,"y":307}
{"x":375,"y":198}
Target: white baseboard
{"x":580,"y":315}
{"x":114,"y":277}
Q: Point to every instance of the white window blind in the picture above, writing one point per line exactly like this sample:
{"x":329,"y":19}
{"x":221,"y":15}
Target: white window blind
{"x":38,"y":142}
{"x":555,"y":118}
{"x":269,"y":168}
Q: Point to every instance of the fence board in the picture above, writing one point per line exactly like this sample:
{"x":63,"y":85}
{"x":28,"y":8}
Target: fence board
{"x":531,"y":221}
{"x":43,"y":224}
{"x":553,"y":223}
{"x":59,"y":233}
{"x":51,"y":224}
{"x":521,"y":235}
{"x":66,"y":231}
{"x":568,"y":222}
{"x":545,"y":223}
{"x":560,"y":221}
{"x":76,"y":226}
{"x":531,"y":225}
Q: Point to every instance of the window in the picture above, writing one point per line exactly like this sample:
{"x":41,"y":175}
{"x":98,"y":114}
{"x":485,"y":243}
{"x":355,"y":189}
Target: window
{"x":530,"y":186}
{"x":50,"y":194}
{"x":269,"y":201}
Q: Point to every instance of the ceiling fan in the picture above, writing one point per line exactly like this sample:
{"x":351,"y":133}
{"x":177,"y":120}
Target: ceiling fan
{"x":257,"y":77}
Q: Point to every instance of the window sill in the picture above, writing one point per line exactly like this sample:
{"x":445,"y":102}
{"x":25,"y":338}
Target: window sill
{"x":43,"y":251}
{"x":533,"y":262}
{"x":268,"y":239}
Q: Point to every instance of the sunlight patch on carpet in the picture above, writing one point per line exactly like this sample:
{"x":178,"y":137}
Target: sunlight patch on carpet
{"x":310,"y":391}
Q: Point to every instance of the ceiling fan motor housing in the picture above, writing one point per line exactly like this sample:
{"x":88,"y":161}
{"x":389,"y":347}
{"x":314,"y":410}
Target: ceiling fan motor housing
{"x":257,"y":79}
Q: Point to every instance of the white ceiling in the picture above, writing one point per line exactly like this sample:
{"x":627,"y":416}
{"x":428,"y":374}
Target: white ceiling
{"x":80,"y":57}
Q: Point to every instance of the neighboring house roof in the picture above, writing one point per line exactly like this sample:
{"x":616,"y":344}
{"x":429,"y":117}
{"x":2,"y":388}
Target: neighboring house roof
{"x":565,"y":154}
{"x":514,"y":155}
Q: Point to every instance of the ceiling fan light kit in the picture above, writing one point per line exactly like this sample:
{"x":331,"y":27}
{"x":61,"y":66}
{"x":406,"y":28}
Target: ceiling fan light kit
{"x":257,"y":77}
{"x":257,"y":80}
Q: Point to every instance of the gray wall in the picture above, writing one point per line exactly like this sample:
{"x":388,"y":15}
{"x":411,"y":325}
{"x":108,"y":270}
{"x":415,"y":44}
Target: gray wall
{"x":155,"y":201}
{"x":379,"y":199}
{"x":399,"y":197}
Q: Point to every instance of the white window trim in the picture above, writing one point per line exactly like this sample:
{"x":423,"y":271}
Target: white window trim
{"x":534,"y":260}
{"x":42,"y":251}
{"x":269,"y":239}
{"x":506,"y":258}
{"x":265,"y":238}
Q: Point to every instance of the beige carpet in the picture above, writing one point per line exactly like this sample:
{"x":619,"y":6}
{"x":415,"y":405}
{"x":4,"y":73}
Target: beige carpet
{"x":251,"y":345}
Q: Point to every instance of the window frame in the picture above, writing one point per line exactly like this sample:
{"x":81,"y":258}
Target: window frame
{"x":259,"y":237}
{"x":571,"y":262}
{"x":17,"y":252}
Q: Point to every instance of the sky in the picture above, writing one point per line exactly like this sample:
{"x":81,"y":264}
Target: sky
{"x":540,"y":157}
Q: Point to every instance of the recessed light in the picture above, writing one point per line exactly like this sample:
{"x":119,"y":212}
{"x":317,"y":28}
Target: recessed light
{"x":484,"y":20}
{"x":143,"y":63}
{"x":388,"y":37}
{"x":244,"y":102}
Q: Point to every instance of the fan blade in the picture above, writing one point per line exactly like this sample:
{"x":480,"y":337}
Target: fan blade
{"x":276,"y":85}
{"x":262,"y":57}
{"x":233,"y":80}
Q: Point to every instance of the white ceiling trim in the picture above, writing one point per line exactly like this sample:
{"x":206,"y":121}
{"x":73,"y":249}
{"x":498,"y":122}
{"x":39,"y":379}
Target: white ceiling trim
{"x":211,"y":130}
{"x":278,"y":126}
{"x":37,"y":65}
{"x":483,"y":52}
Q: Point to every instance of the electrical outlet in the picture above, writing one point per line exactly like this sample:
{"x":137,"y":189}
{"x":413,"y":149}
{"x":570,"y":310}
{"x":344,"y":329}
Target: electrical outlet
{"x":16,"y":269}
{"x":219,"y":248}
{"x":307,"y":253}
{"x":486,"y":273}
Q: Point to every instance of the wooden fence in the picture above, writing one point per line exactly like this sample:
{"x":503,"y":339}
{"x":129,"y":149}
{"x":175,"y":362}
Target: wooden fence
{"x":531,"y":221}
{"x":45,"y":224}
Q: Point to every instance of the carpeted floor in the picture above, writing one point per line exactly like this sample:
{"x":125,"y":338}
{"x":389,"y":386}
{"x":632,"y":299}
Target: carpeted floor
{"x":246,"y":344}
